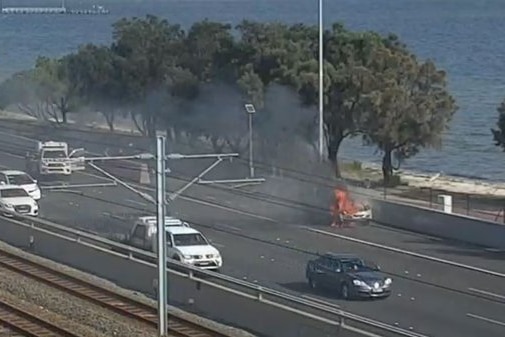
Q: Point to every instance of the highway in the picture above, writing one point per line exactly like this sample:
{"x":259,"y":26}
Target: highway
{"x":431,"y":298}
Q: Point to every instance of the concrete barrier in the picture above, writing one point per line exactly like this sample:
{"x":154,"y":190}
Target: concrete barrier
{"x":258,"y":317}
{"x":438,"y":223}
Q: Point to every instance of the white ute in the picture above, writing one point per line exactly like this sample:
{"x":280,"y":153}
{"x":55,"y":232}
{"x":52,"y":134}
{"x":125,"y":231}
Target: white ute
{"x":20,"y":178}
{"x":53,"y":159}
{"x":15,"y":199}
{"x":184,"y":243}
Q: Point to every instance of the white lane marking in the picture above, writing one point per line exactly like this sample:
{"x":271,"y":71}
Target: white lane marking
{"x":217,"y":245}
{"x":94,"y":176}
{"x":136,"y":202}
{"x":406,"y":252}
{"x":485,"y":319}
{"x":225,"y":208}
{"x":315,"y":299}
{"x":12,"y":155}
{"x":483,"y":292}
{"x":229,"y":227}
{"x":494,"y":250}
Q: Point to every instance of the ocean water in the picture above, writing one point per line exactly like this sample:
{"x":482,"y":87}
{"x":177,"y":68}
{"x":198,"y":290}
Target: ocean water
{"x":464,"y":37}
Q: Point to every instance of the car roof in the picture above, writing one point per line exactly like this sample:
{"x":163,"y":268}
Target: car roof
{"x":181,"y":230}
{"x":12,"y":172}
{"x":9,"y":187}
{"x":152,"y":220}
{"x":342,"y":256}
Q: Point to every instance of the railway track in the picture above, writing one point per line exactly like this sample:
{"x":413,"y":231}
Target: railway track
{"x":27,"y":324}
{"x":92,"y":293}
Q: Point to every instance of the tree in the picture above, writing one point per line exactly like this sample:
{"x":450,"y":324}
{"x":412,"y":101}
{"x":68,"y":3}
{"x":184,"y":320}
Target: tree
{"x":18,"y":89}
{"x":42,"y":92}
{"x":499,"y":133}
{"x":147,"y":49}
{"x":347,"y":56}
{"x":208,"y":49}
{"x":93,"y":72}
{"x":410,"y":105}
{"x":53,"y":88}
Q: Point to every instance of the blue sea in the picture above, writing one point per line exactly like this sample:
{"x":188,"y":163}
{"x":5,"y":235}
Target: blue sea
{"x":464,"y":37}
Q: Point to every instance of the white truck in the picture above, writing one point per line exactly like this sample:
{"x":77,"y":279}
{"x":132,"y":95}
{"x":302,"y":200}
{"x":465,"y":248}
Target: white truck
{"x":53,"y":160}
{"x":184,"y":243}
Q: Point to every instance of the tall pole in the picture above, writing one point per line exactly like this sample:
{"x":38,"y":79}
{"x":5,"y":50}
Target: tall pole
{"x":251,"y":165}
{"x":162,"y":241}
{"x":321,"y":97}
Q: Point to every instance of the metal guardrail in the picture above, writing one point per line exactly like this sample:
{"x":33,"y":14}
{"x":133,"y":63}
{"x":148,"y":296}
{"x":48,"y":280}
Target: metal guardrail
{"x":325,"y":313}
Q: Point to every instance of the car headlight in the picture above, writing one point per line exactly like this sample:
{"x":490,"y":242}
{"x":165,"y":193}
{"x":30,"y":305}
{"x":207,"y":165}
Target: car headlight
{"x":187,"y":257}
{"x":9,"y":205}
{"x":359,"y":283}
{"x":388,"y":281}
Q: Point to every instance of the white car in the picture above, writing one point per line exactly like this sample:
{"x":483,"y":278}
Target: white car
{"x":15,"y":199}
{"x":189,"y":246}
{"x":20,"y":178}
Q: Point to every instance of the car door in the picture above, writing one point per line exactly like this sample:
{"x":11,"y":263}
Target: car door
{"x":336,"y":274}
{"x":77,"y":163}
{"x":171,"y":250}
{"x":317,"y":271}
{"x":326,"y":272}
{"x":138,"y":237}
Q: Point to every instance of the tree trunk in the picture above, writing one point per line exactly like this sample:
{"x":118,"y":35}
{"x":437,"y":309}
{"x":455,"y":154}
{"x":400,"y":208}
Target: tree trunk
{"x":109,"y":118}
{"x":333,"y":147}
{"x":387,"y":166}
{"x":64,"y":109}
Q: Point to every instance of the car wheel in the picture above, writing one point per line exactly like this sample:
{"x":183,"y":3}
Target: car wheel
{"x":344,"y":291}
{"x":312,"y":283}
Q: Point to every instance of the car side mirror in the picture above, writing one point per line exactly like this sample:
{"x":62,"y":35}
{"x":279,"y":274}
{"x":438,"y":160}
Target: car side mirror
{"x":2,"y":183}
{"x":339,"y":270}
{"x":35,"y":181}
{"x":378,"y":268}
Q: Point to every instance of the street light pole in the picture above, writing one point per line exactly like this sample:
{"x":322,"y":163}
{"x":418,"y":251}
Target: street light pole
{"x":321,"y":96}
{"x":250,"y":112}
{"x":162,"y":241}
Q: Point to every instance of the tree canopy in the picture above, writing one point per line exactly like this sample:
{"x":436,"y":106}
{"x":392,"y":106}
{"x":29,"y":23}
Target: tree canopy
{"x":160,"y":75}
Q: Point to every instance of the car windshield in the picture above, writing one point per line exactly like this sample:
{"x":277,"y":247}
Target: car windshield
{"x":13,"y":192}
{"x":20,"y":179}
{"x":189,"y":240}
{"x":356,"y":265}
{"x":54,"y":154}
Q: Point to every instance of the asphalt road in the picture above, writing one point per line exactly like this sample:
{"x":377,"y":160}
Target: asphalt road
{"x":430,"y":298}
{"x":265,"y":241}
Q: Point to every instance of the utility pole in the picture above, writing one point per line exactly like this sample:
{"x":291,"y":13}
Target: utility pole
{"x":250,"y":112}
{"x":162,"y":240}
{"x":321,"y":84}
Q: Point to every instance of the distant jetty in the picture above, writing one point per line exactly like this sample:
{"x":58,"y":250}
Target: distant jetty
{"x":95,"y":10}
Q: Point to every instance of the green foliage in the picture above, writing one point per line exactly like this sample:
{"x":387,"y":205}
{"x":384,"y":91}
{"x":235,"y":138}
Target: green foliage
{"x":154,"y":70}
{"x":410,"y":106}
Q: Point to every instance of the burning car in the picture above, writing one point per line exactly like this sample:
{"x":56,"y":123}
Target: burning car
{"x":345,"y":209}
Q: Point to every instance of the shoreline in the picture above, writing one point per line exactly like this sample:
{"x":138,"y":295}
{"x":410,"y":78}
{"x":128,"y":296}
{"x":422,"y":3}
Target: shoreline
{"x":351,"y":169}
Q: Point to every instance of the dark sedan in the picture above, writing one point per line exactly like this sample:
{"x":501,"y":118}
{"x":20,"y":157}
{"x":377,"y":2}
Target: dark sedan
{"x":349,"y":275}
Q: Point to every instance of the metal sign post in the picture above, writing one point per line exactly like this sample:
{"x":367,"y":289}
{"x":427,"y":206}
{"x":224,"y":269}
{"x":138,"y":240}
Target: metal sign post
{"x":321,"y":82}
{"x":162,"y":256}
{"x":250,"y":112}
